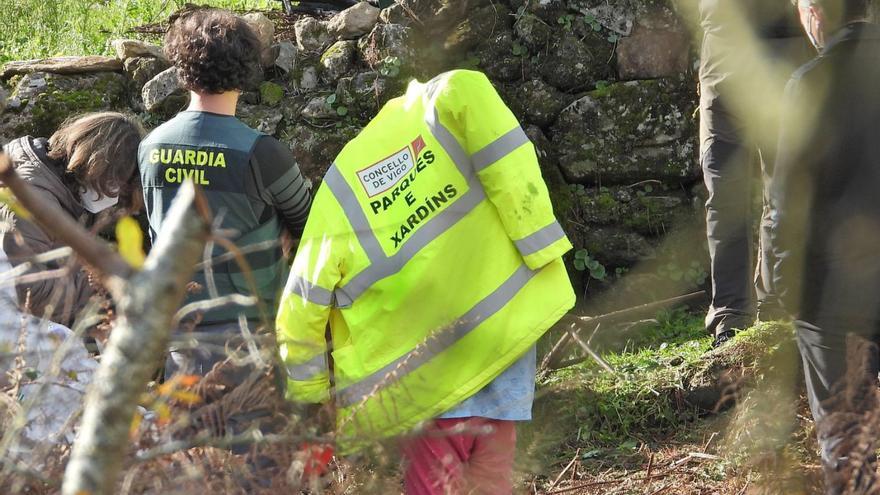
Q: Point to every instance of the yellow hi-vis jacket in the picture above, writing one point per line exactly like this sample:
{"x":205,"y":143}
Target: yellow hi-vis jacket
{"x":433,"y":252}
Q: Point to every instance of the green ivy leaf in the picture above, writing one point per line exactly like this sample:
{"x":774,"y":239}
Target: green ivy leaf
{"x":342,"y":110}
{"x":579,"y":265}
{"x":331,"y":99}
{"x":581,"y":254}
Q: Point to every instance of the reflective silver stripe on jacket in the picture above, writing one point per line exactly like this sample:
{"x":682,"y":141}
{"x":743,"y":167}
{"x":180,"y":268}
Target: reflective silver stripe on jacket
{"x":308,"y":370}
{"x":385,"y":266}
{"x":309,"y":291}
{"x":540,"y":239}
{"x":438,"y":342}
{"x":356,"y":217}
{"x":498,"y":149}
{"x":433,"y":229}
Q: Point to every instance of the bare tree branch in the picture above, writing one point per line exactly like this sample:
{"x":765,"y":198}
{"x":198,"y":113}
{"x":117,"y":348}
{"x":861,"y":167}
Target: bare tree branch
{"x":146,"y":307}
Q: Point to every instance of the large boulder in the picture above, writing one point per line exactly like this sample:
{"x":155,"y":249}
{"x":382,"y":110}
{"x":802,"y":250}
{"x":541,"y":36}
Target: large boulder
{"x":312,"y":35}
{"x":572,"y":57}
{"x":353,"y":22}
{"x":140,"y":70}
{"x":629,"y":132}
{"x":164,"y":93}
{"x":390,"y":49}
{"x":286,"y":59}
{"x":652,"y":53}
{"x":265,"y":31}
{"x":40,"y":101}
{"x":338,"y":60}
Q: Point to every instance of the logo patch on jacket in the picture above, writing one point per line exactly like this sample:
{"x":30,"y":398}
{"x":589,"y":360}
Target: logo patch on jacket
{"x":386,"y":173}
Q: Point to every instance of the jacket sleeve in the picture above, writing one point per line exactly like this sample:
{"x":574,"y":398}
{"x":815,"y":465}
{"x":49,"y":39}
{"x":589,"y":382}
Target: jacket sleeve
{"x":27,"y":240}
{"x":506,"y":164}
{"x":306,"y":303}
{"x":791,"y":194}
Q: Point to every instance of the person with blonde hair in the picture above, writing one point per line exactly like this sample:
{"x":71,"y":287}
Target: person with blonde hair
{"x":87,"y":166}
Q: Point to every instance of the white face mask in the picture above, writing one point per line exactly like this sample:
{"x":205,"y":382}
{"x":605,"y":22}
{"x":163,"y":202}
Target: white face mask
{"x":93,"y":202}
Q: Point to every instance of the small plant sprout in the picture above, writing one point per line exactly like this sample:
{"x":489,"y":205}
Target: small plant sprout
{"x":584,"y":262}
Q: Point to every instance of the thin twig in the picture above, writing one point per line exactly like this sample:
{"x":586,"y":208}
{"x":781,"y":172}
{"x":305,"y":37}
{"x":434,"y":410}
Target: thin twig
{"x":567,"y":467}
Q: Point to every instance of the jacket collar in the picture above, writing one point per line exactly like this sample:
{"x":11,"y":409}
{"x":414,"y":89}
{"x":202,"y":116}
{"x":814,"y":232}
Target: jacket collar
{"x":854,"y":31}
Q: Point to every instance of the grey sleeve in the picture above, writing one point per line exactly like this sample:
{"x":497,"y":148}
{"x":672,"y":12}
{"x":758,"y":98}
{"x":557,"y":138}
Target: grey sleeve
{"x":283,"y":185}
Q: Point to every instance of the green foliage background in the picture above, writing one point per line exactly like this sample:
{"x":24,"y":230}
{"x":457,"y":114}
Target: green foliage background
{"x":45,"y":28}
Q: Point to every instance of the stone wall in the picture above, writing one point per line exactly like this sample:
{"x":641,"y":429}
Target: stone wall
{"x":605,"y":89}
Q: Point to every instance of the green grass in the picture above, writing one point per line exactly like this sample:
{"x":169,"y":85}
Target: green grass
{"x":616,"y":409}
{"x":45,"y":28}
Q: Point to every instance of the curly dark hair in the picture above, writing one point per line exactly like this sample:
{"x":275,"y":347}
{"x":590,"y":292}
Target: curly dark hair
{"x":214,"y":50}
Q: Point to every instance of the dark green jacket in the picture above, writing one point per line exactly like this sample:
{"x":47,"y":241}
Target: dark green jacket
{"x":215,"y":152}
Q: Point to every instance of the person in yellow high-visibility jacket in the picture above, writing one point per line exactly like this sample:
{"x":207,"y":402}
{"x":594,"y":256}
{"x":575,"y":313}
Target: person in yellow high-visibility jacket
{"x":433,"y":252}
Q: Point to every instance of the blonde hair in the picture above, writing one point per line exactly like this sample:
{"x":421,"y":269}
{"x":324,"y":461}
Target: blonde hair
{"x":100,"y":150}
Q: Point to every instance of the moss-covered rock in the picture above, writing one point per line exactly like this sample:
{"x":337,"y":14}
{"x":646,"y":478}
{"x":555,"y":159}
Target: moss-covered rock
{"x":365,"y":93}
{"x":576,"y":62}
{"x":613,"y":245}
{"x":535,"y":101}
{"x":478,"y":24}
{"x":271,"y":93}
{"x":502,"y":58}
{"x":315,"y":148}
{"x":260,"y":117}
{"x":338,"y":60}
{"x":560,"y":193}
{"x":41,"y":101}
{"x":629,"y":132}
{"x":649,"y":209}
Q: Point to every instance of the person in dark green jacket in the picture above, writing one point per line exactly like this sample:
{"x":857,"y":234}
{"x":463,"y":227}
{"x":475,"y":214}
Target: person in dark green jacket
{"x":251,"y":180}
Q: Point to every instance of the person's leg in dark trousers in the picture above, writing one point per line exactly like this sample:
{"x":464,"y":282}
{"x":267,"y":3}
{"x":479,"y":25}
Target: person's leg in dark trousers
{"x":768,"y":307}
{"x":826,"y":361}
{"x":728,"y":177}
{"x":726,"y":164}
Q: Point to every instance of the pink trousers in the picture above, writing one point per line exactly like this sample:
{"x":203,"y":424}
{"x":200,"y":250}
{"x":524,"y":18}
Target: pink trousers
{"x":460,"y":456}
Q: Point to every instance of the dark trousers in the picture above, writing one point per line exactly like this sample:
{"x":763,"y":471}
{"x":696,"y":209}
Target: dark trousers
{"x":838,"y":381}
{"x":738,"y":130}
